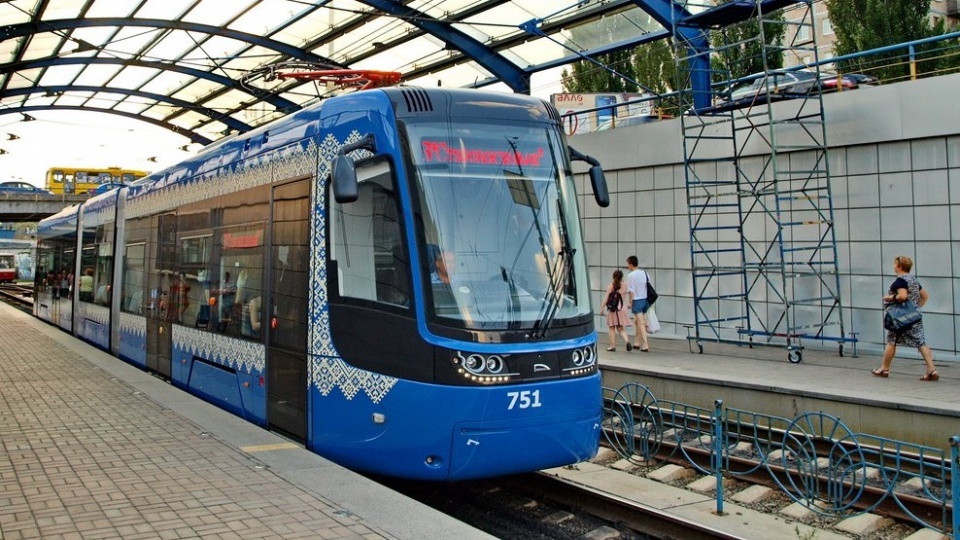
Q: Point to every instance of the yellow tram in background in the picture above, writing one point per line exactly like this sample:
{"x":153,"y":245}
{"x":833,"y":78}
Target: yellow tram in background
{"x":77,"y":181}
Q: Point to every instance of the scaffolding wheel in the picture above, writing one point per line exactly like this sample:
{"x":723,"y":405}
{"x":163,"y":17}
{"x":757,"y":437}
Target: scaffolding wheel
{"x":841,"y":350}
{"x":700,"y":347}
{"x":795,"y":356}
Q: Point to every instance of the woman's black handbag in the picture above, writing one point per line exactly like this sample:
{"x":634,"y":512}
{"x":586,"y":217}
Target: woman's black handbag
{"x":901,"y":316}
{"x":651,"y":293}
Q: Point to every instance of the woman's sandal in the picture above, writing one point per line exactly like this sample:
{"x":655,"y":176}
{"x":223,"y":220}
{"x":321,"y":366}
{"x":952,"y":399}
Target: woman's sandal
{"x":629,"y":346}
{"x":931,"y":376}
{"x":880,"y":372}
{"x":611,"y":349}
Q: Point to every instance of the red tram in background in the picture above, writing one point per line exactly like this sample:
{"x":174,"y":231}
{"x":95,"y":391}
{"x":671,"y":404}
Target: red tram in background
{"x":8,"y":268}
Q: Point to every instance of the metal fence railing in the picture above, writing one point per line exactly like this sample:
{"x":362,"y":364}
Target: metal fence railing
{"x":814,"y":458}
{"x":929,"y":57}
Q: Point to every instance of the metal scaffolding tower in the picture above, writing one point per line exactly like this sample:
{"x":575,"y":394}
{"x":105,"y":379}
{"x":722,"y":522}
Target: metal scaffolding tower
{"x":762,"y":243}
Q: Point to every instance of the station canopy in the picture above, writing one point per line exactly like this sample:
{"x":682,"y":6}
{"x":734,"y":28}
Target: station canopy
{"x":205,"y":68}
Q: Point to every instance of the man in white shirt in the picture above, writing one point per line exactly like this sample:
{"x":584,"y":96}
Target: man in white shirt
{"x":637,"y":295}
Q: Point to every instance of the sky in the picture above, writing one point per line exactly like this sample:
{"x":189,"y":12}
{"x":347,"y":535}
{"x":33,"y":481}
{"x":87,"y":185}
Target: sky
{"x":69,"y":138}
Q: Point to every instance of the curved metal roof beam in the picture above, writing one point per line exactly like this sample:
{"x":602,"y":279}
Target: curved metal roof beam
{"x":233,"y":123}
{"x":194,"y":137}
{"x":511,"y":74}
{"x":282,"y":104}
{"x":667,"y":12}
{"x":31,"y":28}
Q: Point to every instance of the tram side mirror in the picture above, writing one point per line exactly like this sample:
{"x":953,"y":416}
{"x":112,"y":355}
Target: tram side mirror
{"x":344,"y":178}
{"x":343,"y":173}
{"x":599,"y":182}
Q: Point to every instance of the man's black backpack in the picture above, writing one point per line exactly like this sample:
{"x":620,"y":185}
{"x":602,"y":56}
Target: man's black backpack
{"x":614,"y":301}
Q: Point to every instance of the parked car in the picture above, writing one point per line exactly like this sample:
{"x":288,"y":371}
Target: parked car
{"x":21,"y":188}
{"x":847,"y":81}
{"x":780,"y":86}
{"x":103,"y":188}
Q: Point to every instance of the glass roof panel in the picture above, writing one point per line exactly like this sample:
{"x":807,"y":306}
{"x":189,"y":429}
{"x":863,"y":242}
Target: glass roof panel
{"x":228,"y":100}
{"x":13,"y":12}
{"x":109,"y":8}
{"x":57,"y":10}
{"x":133,"y":76}
{"x":196,"y":90}
{"x":24,"y":78}
{"x":98,"y":36}
{"x":174,"y":45}
{"x":216,"y":12}
{"x":134,"y":104}
{"x":167,"y":82}
{"x":60,"y":75}
{"x":463,"y":75}
{"x":364,"y":39}
{"x":98,"y":75}
{"x":214,"y":51}
{"x":531,"y":53}
{"x":264,"y":18}
{"x":320,"y":22}
{"x":75,"y":99}
{"x":131,"y":40}
{"x":8,"y":49}
{"x":42,"y":46}
{"x":163,"y":9}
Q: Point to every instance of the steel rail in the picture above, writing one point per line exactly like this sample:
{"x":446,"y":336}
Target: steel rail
{"x":611,"y":507}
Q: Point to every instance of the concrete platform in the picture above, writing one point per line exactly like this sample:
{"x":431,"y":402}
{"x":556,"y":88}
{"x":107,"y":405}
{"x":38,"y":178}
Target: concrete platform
{"x":760,"y":379}
{"x":91,"y":447}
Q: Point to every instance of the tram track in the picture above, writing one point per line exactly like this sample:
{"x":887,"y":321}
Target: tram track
{"x":20,"y":296}
{"x":544,"y":506}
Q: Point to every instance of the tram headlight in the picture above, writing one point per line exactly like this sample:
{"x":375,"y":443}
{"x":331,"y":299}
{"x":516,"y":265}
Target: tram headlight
{"x":494,"y":364}
{"x":589,"y":355}
{"x":474,"y":363}
{"x":577,"y":357}
{"x":482,"y":368}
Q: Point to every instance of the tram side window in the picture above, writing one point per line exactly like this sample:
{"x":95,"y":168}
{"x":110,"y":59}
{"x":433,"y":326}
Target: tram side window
{"x":96,"y":264}
{"x":134,"y":265}
{"x":195,"y":244}
{"x":367,"y":240}
{"x":88,"y":258}
{"x":241,"y":280}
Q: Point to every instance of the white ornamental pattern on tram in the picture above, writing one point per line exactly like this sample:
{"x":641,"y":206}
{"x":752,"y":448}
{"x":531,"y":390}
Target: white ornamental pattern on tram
{"x":133,"y":324}
{"x":239,"y":354}
{"x":327,"y":370}
{"x":291,"y":161}
{"x":332,"y":373}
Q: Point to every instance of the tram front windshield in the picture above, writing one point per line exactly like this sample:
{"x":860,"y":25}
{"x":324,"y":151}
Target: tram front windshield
{"x":500,"y":225}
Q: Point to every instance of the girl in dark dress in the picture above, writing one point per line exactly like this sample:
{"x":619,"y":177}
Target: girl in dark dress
{"x":906,"y":287}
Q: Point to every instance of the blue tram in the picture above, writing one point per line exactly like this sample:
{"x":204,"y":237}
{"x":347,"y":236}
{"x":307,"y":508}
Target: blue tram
{"x":395,"y":277}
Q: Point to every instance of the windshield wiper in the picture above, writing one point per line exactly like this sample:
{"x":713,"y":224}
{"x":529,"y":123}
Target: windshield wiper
{"x":556,"y":292}
{"x":514,"y":321}
{"x":558,"y":281}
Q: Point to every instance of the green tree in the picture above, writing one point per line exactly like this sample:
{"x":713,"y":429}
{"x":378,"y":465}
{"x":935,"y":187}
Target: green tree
{"x":589,"y":77}
{"x":861,"y":25}
{"x":655,"y":67}
{"x":742,"y":50}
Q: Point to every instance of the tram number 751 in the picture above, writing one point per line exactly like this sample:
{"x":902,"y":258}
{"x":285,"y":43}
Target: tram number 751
{"x":524,"y":399}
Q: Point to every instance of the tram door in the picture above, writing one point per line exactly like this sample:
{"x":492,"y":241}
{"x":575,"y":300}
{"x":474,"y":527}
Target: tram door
{"x":159,"y":312}
{"x":287,"y":310}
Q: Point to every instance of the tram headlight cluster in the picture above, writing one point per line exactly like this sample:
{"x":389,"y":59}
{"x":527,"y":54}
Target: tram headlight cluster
{"x":483,"y":369}
{"x":584,"y":360}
